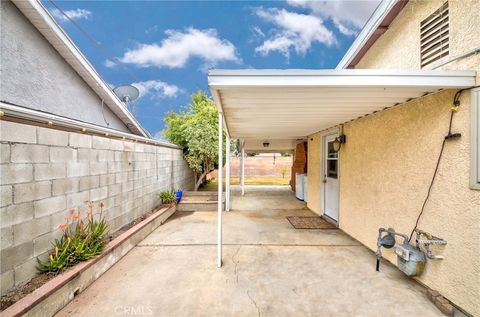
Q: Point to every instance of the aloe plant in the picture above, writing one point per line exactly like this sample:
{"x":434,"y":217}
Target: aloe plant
{"x":167,"y":197}
{"x":79,"y":241}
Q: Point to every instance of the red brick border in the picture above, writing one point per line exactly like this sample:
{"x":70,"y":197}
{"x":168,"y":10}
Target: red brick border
{"x":37,"y":296}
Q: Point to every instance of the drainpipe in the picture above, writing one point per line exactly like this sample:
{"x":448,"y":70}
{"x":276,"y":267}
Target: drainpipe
{"x":243,"y":168}
{"x":227,"y":175}
{"x":220,"y":192}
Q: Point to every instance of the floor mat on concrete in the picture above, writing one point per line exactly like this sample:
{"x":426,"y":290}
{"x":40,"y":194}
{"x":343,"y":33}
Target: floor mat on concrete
{"x":304,"y":222}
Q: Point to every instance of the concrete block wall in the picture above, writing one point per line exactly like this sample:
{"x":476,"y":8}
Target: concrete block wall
{"x":45,"y":172}
{"x":259,"y":166}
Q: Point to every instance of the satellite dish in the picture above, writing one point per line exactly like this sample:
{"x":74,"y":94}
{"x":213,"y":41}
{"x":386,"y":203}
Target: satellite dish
{"x":126,"y":93}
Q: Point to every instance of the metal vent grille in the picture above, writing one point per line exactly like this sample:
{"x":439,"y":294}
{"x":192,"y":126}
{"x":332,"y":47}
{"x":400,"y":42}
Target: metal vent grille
{"x":434,"y":35}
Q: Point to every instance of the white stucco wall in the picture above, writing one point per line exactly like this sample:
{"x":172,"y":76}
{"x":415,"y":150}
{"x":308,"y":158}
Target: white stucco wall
{"x":35,"y":76}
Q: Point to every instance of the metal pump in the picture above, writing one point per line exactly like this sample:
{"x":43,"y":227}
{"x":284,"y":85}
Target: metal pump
{"x":410,"y":259}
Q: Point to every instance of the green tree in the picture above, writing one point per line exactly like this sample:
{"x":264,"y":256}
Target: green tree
{"x":195,"y":129}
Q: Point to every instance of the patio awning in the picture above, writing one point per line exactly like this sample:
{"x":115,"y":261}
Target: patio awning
{"x":282,"y":106}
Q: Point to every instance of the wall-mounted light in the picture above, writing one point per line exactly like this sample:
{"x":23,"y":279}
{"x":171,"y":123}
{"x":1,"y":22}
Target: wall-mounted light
{"x":337,"y":144}
{"x":266,"y":144}
{"x":342,"y":138}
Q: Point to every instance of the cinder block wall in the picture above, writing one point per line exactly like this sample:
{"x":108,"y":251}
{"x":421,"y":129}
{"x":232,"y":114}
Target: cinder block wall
{"x":262,"y":166}
{"x":45,"y":172}
{"x":259,"y":166}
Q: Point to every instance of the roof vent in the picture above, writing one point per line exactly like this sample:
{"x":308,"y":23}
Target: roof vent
{"x":434,"y":36}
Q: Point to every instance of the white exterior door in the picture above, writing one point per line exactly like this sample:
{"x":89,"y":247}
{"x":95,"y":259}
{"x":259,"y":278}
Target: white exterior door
{"x":330,"y":179}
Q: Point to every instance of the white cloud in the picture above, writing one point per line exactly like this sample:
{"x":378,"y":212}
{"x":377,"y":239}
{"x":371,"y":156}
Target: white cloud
{"x":156,"y":89}
{"x":345,"y":30}
{"x":348,"y":16}
{"x":76,"y":14}
{"x":258,"y":32}
{"x":293,"y":31}
{"x":279,"y":43}
{"x":179,"y":47}
{"x":109,"y":63}
{"x":152,"y":29}
{"x":159,"y":136}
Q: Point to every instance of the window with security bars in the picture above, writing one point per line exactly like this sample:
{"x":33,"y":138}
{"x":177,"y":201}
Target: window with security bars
{"x":434,"y":35}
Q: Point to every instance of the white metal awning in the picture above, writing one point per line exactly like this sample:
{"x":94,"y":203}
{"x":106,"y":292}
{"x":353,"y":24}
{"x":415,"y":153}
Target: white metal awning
{"x":281,"y":106}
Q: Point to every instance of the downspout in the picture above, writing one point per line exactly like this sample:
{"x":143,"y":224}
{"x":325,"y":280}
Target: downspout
{"x":227,"y":175}
{"x":243,"y":168}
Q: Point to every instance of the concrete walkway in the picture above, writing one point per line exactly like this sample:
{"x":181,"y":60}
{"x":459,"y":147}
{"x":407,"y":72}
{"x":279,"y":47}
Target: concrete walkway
{"x":269,"y":269}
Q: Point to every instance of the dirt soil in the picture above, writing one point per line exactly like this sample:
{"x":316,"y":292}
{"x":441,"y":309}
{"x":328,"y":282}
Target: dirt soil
{"x":20,"y":291}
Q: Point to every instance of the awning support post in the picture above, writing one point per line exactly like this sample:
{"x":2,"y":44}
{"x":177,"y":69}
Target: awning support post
{"x":227,"y":175}
{"x":243,"y":168}
{"x":220,"y":191}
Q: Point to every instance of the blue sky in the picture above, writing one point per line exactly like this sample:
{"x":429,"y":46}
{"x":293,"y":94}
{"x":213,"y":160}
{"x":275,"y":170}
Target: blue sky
{"x":165,"y":48}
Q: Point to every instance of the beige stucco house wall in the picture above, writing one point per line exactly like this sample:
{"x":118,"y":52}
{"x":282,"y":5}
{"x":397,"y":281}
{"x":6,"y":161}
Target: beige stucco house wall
{"x":314,"y":172}
{"x":390,"y":156}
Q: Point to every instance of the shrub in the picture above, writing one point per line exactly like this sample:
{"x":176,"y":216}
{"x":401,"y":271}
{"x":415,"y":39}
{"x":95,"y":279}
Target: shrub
{"x":167,"y":197}
{"x":81,"y":240}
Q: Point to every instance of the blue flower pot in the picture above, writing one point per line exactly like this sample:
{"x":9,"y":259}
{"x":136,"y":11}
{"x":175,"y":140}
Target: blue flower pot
{"x":178,"y":195}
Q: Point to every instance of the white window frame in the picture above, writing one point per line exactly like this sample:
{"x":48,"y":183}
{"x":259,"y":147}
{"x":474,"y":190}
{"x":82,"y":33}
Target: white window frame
{"x":475,"y":139}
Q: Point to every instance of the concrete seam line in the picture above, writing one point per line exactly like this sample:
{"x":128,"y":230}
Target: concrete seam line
{"x":248,"y":244}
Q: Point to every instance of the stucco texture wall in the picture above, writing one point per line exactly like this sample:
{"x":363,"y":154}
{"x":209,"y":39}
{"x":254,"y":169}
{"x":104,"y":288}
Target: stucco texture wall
{"x":390,"y":157}
{"x":385,"y":170}
{"x":314,"y":173}
{"x":35,"y":76}
{"x":399,"y":47}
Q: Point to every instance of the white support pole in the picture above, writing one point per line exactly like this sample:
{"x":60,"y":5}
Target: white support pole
{"x":227,"y":176}
{"x":220,"y":192}
{"x":243,"y":169}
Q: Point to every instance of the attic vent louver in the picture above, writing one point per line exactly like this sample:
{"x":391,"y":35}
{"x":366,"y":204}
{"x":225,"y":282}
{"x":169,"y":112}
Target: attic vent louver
{"x":434,"y":35}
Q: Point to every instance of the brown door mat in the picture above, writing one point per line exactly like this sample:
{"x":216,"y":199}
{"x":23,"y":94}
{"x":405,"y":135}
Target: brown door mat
{"x":305,"y":222}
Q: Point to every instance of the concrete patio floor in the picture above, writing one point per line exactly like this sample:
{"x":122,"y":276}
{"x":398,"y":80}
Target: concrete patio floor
{"x":269,"y":269}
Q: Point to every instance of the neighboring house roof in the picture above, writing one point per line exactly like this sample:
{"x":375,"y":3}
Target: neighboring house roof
{"x":378,"y":24}
{"x":57,"y":37}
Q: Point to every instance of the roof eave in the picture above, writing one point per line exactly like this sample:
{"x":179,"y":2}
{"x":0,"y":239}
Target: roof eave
{"x":378,"y":24}
{"x":39,"y":15}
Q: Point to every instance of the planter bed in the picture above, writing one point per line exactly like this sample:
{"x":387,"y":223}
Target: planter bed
{"x":49,"y":298}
